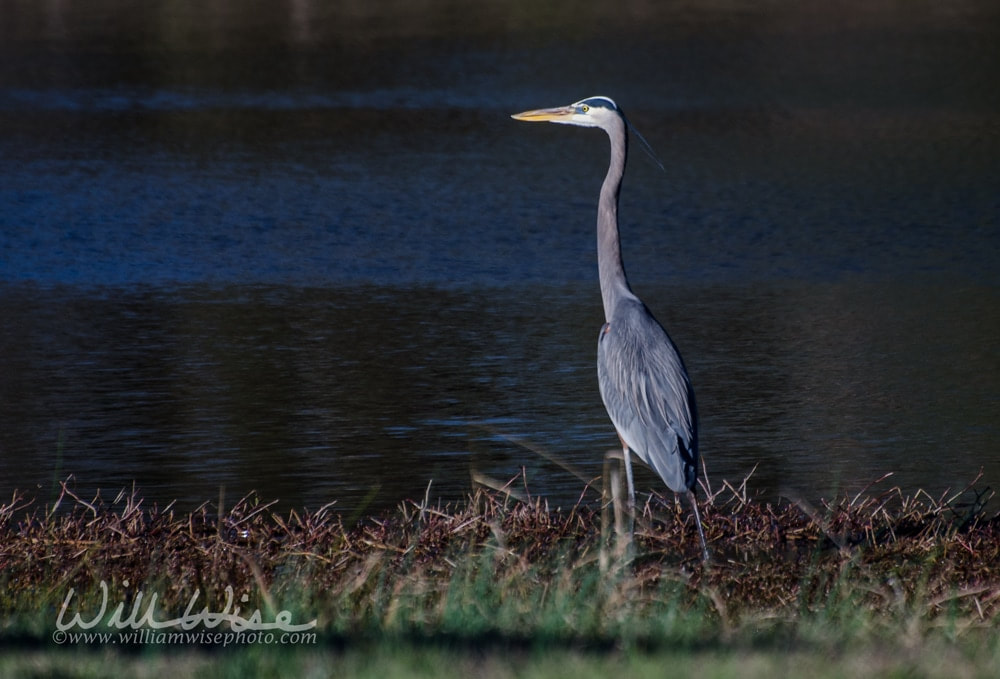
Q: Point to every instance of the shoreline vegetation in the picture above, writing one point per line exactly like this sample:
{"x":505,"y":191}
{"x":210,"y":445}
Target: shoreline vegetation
{"x":885,"y":574}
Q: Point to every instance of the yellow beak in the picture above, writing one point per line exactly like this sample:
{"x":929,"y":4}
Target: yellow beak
{"x":545,"y":114}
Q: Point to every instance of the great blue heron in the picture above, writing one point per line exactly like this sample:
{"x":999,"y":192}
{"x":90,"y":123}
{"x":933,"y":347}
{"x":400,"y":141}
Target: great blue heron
{"x":643,"y":382}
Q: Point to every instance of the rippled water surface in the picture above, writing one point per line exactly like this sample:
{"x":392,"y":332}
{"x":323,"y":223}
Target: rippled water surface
{"x":305,"y":251}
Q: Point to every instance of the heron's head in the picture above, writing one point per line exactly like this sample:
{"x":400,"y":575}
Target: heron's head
{"x":590,"y":112}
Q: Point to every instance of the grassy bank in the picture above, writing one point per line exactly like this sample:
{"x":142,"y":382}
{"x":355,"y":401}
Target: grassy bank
{"x":884,"y":584}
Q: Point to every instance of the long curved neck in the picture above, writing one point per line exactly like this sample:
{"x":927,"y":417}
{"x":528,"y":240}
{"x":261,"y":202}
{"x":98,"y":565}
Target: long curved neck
{"x":614,"y":284}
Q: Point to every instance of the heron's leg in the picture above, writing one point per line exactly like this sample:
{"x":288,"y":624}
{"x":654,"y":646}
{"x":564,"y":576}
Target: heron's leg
{"x":697,"y":522}
{"x":631,"y":489}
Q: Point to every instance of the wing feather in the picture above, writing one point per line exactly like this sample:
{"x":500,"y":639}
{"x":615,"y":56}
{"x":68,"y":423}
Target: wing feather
{"x":648,"y":395}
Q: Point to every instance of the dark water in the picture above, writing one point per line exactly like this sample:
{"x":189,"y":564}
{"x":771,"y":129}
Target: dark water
{"x":305,"y":251}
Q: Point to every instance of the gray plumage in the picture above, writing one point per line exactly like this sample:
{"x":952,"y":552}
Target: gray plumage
{"x":648,"y":395}
{"x":643,"y":382}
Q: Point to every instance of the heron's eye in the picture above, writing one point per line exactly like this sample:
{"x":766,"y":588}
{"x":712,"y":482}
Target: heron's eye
{"x":585,"y":108}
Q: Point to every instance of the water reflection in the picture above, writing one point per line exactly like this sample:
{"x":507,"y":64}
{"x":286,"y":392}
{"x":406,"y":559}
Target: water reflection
{"x":302,"y":250}
{"x":367,"y":394}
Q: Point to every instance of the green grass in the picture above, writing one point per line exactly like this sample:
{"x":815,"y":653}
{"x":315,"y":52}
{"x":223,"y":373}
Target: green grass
{"x":880,"y":586}
{"x":389,"y":660}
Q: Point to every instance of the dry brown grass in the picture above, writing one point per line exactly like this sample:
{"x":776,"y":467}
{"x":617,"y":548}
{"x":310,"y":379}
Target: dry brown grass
{"x":887,"y":564}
